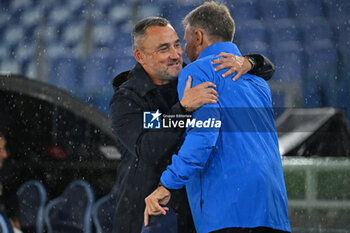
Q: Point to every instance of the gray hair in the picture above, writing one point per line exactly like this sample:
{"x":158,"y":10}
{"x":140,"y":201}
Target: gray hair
{"x":214,"y":18}
{"x":140,"y":28}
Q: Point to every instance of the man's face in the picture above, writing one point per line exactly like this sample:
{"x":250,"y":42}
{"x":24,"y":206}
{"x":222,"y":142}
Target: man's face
{"x":3,"y":153}
{"x":190,"y":47}
{"x":162,"y":53}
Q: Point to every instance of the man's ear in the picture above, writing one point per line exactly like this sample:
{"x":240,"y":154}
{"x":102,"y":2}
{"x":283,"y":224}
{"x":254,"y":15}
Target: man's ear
{"x":198,"y":33}
{"x":138,"y":55}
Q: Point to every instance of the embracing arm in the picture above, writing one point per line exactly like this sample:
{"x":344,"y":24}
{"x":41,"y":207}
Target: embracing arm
{"x":153,"y":145}
{"x":255,"y":64}
{"x":195,"y":150}
{"x":199,"y":142}
{"x":127,"y":124}
{"x":263,"y":67}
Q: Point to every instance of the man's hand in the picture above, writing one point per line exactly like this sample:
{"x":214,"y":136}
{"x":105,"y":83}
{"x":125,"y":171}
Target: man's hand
{"x":199,"y":95}
{"x":241,"y":65}
{"x":160,"y":196}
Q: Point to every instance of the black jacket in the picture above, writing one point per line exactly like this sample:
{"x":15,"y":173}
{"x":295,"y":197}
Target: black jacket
{"x":146,"y":153}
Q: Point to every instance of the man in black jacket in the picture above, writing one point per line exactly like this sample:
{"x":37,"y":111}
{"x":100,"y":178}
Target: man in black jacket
{"x":150,"y":86}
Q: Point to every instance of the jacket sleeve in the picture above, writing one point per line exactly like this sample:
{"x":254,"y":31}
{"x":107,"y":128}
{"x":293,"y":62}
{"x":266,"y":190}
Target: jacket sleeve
{"x":264,"y":67}
{"x":126,"y":115}
{"x":198,"y":144}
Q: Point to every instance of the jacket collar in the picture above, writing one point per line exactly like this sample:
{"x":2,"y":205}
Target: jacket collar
{"x":140,"y":80}
{"x":213,"y":49}
{"x":136,"y":79}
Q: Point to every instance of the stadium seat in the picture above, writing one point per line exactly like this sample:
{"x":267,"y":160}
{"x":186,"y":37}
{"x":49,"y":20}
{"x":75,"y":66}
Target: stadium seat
{"x":21,"y":4}
{"x":122,"y":44}
{"x":4,"y":52}
{"x":71,"y":211}
{"x":73,"y":33}
{"x":284,"y":30}
{"x":147,"y":10}
{"x":97,"y":71}
{"x":272,"y":10}
{"x":32,"y":198}
{"x":32,"y":33}
{"x":343,"y":96}
{"x":243,"y":10}
{"x":29,"y":70}
{"x":277,"y":99}
{"x":278,"y":102}
{"x":4,"y":23}
{"x":319,"y":84}
{"x":5,"y":225}
{"x":25,"y":51}
{"x":79,"y":8}
{"x":5,"y":3}
{"x":103,"y":35}
{"x":103,"y":213}
{"x":98,"y":98}
{"x":341,"y":27}
{"x":316,"y":29}
{"x":99,"y":15}
{"x":123,"y":63}
{"x":18,"y":7}
{"x":343,"y":84}
{"x":24,"y":54}
{"x":254,"y":47}
{"x":343,"y":46}
{"x":5,"y":15}
{"x":102,"y":6}
{"x":53,"y":32}
{"x":337,"y":8}
{"x":119,"y":13}
{"x":56,"y":49}
{"x":123,"y":39}
{"x":64,"y":72}
{"x":60,"y":16}
{"x":10,"y":66}
{"x":13,"y":35}
{"x":32,"y":17}
{"x":175,"y":13}
{"x":308,"y":8}
{"x":288,"y":59}
{"x":253,"y":30}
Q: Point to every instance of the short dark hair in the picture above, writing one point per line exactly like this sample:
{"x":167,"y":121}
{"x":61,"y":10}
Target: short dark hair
{"x":2,"y":135}
{"x":214,"y":18}
{"x":140,"y":28}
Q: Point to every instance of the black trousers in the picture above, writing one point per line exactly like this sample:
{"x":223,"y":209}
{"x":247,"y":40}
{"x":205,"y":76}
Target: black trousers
{"x":249,"y":230}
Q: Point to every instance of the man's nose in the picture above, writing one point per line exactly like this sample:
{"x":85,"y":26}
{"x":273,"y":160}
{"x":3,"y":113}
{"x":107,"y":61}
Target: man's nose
{"x":174,"y":53}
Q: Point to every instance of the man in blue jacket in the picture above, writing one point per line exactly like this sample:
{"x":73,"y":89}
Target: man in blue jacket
{"x":231,"y":166}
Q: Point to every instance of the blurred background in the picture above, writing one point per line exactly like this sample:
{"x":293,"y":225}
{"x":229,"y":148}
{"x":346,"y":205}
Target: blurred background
{"x":81,"y":45}
{"x":68,"y":48}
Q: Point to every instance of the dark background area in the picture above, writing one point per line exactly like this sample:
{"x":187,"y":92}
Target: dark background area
{"x":47,"y":141}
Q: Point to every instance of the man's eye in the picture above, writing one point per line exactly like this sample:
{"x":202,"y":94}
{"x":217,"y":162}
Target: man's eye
{"x":164,"y":49}
{"x":177,"y":45}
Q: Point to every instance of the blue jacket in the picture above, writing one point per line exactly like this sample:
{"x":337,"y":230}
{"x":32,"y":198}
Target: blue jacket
{"x":233,"y":174}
